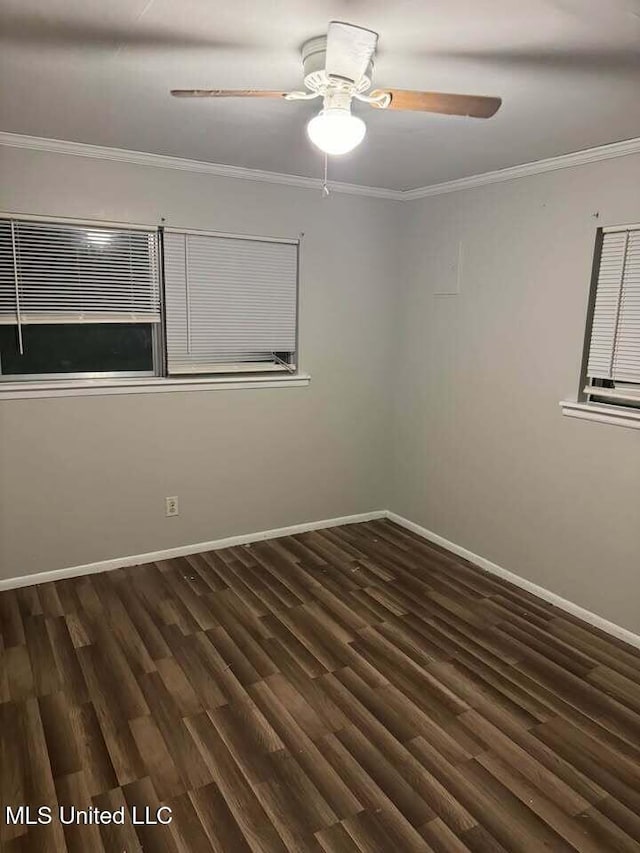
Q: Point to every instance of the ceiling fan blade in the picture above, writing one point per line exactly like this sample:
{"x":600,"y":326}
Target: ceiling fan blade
{"x":476,"y":106}
{"x":349,"y":50}
{"x":226,"y":93}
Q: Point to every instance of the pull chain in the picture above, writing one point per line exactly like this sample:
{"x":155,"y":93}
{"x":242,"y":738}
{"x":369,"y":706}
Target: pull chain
{"x":326,"y":192}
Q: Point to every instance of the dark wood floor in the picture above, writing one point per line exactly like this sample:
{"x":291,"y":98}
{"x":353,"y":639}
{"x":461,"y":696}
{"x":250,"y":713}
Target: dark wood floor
{"x":353,"y":689}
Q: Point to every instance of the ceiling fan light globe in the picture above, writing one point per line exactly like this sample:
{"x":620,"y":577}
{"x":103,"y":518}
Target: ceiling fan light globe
{"x":336,"y":131}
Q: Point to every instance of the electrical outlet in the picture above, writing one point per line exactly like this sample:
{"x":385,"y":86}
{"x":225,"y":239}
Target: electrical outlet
{"x":171,"y":506}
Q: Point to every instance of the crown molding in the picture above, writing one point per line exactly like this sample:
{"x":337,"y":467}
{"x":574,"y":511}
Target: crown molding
{"x":161,"y":161}
{"x":537,"y":167}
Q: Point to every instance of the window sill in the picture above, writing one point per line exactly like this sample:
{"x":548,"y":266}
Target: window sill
{"x":92,"y":387}
{"x":616,"y":415}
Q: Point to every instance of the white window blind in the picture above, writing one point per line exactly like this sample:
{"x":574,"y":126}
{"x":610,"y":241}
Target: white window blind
{"x":66,"y":273}
{"x":614,"y":351}
{"x":231,"y":303}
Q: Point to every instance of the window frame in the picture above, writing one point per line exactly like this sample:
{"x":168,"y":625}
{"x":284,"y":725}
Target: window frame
{"x":611,"y":405}
{"x":591,"y":306}
{"x":25,"y":378}
{"x":24,"y":386}
{"x":251,"y":368}
{"x":93,"y":374}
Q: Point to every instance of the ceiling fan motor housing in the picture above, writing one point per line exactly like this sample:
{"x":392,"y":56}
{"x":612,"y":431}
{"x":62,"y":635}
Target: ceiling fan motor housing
{"x":314,"y":52}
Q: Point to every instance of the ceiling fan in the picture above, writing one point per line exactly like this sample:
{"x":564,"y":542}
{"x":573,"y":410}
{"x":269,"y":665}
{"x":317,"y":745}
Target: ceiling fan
{"x":338,"y":67}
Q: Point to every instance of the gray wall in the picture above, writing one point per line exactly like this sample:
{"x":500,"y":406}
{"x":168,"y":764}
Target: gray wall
{"x":482,"y":454}
{"x":443,"y":409}
{"x":84,"y":479}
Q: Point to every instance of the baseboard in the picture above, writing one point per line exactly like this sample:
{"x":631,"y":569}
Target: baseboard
{"x":245,"y":539}
{"x":184,"y":550}
{"x":546,"y":594}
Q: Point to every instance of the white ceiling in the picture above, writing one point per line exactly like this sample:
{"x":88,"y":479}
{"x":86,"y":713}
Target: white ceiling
{"x":99,"y":72}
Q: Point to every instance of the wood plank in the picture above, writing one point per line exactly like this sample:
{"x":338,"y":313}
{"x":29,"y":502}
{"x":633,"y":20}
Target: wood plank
{"x":348,"y":690}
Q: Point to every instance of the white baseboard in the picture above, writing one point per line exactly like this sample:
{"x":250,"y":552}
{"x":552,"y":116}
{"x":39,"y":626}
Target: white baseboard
{"x":546,"y":594}
{"x":245,"y":539}
{"x":184,"y":550}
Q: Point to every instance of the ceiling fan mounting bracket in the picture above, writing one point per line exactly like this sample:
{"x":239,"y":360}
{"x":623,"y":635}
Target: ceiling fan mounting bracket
{"x":378,"y":99}
{"x":314,"y":54}
{"x":302,"y":96}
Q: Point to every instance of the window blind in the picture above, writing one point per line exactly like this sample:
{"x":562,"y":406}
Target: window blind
{"x":62,"y":273}
{"x":231,"y":303}
{"x":614,"y":351}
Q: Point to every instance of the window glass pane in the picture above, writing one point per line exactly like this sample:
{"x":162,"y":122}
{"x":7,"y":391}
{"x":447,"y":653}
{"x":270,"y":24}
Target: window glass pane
{"x":80,"y":348}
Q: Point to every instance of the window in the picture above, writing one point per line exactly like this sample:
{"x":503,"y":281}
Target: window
{"x":77,"y":301}
{"x":231,"y":303}
{"x":612,"y":353}
{"x":85,"y":302}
